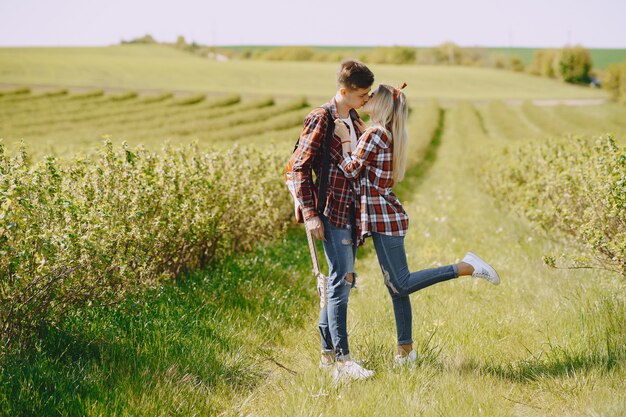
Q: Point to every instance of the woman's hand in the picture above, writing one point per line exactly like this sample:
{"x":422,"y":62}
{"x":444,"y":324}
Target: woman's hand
{"x":341,"y":130}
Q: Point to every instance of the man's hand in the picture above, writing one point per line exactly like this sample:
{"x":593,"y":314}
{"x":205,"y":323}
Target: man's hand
{"x":316,"y":227}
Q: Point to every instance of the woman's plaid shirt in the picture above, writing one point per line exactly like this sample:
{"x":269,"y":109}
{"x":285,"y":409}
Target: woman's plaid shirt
{"x":308,"y":159}
{"x":379,"y":210}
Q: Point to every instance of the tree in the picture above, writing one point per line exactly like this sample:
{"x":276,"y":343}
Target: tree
{"x":574,"y":64}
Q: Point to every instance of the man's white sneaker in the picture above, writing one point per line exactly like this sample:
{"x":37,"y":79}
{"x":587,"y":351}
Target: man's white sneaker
{"x":481,"y":268}
{"x":349,"y":370}
{"x":406,"y":360}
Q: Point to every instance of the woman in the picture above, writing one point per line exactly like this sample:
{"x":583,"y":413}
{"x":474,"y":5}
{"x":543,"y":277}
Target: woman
{"x":379,"y":161}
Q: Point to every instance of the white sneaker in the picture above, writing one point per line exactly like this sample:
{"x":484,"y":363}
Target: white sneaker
{"x":482,"y":269}
{"x":406,"y":360}
{"x":349,"y":370}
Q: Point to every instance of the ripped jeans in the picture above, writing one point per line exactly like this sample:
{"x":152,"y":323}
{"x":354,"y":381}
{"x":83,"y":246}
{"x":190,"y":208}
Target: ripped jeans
{"x":400,"y":282}
{"x":340,"y":250}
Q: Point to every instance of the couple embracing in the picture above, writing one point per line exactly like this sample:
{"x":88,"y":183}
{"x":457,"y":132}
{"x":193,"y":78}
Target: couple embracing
{"x":365,"y":163}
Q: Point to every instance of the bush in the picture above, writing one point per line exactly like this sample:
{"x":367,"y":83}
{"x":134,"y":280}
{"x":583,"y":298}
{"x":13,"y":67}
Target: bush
{"x":451,"y":54}
{"x":91,"y":231}
{"x":189,"y":100}
{"x":390,"y":55}
{"x":507,"y":62}
{"x":146,"y":39}
{"x":574,"y":64}
{"x":615,"y":81}
{"x":16,"y":92}
{"x":570,"y":64}
{"x":542,"y":63}
{"x":573,"y":187}
{"x":290,"y":53}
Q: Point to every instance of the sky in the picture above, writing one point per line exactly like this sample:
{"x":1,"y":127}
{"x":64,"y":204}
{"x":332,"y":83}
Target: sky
{"x":506,"y":23}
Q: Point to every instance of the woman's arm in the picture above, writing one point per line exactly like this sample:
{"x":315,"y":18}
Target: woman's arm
{"x":341,"y":130}
{"x":365,"y":153}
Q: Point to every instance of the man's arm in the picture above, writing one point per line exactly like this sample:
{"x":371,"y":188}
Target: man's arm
{"x":309,"y":145}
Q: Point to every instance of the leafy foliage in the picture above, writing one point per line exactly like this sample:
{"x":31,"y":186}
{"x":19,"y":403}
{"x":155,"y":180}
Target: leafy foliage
{"x":615,"y":81}
{"x":575,"y":187}
{"x":89,"y":231}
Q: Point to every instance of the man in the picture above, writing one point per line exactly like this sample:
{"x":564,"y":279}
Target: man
{"x":336,"y":224}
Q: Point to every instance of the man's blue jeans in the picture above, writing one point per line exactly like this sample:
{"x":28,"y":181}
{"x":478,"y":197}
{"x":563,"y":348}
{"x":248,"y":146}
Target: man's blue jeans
{"x":340,"y":250}
{"x":400,"y":282}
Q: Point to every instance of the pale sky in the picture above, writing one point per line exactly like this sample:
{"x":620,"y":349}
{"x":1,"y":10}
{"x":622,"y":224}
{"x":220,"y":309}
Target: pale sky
{"x":531,"y":23}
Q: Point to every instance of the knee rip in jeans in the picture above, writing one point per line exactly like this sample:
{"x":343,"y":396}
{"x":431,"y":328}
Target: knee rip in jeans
{"x":346,"y":242}
{"x":388,"y":282}
{"x":351,"y":275}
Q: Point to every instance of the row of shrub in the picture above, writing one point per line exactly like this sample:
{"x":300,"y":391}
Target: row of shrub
{"x":570,"y":187}
{"x":91,"y":231}
{"x":445,"y":54}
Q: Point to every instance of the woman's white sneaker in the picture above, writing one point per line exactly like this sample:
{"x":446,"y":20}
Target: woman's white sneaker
{"x":481,"y":268}
{"x":348,"y":370}
{"x":406,"y":360}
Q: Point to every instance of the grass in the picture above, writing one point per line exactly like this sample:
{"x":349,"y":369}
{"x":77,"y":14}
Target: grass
{"x":241,"y":338}
{"x":190,"y":348}
{"x":545,"y":342}
{"x":154,"y":67}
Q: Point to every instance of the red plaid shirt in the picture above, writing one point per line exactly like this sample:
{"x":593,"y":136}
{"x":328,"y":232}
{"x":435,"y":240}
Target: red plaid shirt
{"x":308,"y":159}
{"x":379,"y":210}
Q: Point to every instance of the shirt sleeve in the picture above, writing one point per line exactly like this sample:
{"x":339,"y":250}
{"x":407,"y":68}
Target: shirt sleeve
{"x":365,"y":153}
{"x":311,"y":138}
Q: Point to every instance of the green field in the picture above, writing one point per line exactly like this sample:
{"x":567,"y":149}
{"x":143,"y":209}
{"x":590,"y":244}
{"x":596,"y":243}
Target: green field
{"x":161,"y":68}
{"x":240,"y":336}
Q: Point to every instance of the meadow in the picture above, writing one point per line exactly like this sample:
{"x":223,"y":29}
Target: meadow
{"x":158,"y":67}
{"x":238,"y":336}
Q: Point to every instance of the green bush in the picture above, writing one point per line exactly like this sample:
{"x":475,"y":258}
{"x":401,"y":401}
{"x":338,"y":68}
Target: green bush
{"x":451,"y":54}
{"x":189,"y":100}
{"x":570,"y":187}
{"x":542,"y":63}
{"x":90,"y":231}
{"x":15,"y":92}
{"x":507,"y":62}
{"x":390,"y":55}
{"x":615,"y":81}
{"x":88,"y":95}
{"x":570,"y":64}
{"x":574,"y":64}
{"x":289,"y":53}
{"x":146,"y":39}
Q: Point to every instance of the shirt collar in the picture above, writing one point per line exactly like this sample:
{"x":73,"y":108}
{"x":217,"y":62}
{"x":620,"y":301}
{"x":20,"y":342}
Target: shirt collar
{"x":332,"y":105}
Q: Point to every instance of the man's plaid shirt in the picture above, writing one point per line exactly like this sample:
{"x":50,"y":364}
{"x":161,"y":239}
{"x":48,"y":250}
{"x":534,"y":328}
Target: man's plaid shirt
{"x":379,"y":210}
{"x":308,"y":159}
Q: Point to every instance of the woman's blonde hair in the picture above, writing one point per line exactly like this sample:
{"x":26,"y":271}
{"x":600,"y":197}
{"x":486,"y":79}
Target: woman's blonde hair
{"x":391,"y":113}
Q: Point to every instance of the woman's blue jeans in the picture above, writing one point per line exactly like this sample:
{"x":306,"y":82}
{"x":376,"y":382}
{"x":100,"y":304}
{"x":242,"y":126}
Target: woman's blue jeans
{"x":340,"y":250}
{"x":400,"y":282}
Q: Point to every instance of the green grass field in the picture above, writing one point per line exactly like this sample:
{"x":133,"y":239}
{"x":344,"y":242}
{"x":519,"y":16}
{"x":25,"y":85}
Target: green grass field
{"x":139,"y":67}
{"x":240,"y":338}
{"x":543,"y":343}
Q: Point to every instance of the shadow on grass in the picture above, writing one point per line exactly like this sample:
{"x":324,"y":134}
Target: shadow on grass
{"x":558,"y":362}
{"x":196,"y":334}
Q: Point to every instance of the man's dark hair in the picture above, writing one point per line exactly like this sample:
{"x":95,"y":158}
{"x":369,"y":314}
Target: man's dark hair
{"x":354,"y":74}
